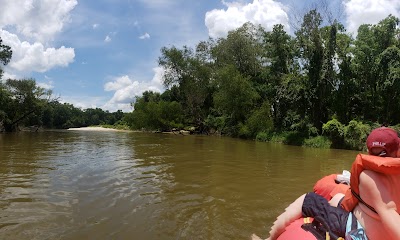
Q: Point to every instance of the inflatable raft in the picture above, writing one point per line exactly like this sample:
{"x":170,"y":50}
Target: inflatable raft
{"x":327,"y":187}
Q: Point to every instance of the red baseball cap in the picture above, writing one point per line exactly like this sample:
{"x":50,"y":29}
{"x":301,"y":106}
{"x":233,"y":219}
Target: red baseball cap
{"x":385,"y":138}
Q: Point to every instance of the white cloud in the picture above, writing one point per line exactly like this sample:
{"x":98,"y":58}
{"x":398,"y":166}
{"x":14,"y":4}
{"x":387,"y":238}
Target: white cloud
{"x":120,"y":82}
{"x":267,"y":13}
{"x":35,"y":57}
{"x":46,"y":85}
{"x":37,"y":19}
{"x":82,"y":102}
{"x":7,"y":75}
{"x":28,"y":27}
{"x":126,"y":89}
{"x":96,"y":25}
{"x":145,"y":36}
{"x":107,"y":39}
{"x":369,"y":12}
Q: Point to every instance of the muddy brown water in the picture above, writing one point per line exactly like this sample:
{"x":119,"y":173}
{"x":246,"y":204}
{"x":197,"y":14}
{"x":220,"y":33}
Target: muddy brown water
{"x":123,"y":185}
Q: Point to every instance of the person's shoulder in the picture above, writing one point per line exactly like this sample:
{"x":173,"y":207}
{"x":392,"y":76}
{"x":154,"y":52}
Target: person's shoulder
{"x":371,"y":175}
{"x":372,"y":182}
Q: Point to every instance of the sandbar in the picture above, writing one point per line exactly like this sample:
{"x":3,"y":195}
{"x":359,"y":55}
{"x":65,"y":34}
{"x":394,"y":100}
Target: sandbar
{"x":96,"y":129}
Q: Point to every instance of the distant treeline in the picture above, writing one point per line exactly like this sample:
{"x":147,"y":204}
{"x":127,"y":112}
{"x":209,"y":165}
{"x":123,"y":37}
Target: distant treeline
{"x":23,"y":103}
{"x":320,"y":87}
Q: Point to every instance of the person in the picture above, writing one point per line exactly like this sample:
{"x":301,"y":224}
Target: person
{"x":368,"y":209}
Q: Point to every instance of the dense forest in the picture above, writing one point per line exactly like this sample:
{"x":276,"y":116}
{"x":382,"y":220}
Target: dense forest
{"x":23,"y":103}
{"x":318,"y":87}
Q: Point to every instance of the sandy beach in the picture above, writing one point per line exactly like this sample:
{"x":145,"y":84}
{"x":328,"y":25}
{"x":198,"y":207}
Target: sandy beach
{"x":97,"y":129}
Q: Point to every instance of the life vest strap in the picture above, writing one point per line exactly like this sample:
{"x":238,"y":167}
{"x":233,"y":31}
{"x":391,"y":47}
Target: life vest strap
{"x":362,"y":201}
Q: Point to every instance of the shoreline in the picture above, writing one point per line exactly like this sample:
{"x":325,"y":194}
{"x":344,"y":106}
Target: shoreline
{"x":104,"y":129}
{"x":97,"y":129}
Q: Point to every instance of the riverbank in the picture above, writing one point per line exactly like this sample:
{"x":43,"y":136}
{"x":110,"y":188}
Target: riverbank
{"x":109,"y":129}
{"x":98,"y":129}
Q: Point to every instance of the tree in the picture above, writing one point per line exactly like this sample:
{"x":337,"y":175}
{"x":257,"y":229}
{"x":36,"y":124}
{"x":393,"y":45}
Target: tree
{"x":318,"y":48}
{"x":346,"y":100}
{"x":5,"y":99}
{"x":234,"y":97}
{"x":388,"y":61}
{"x":5,"y":55}
{"x":26,"y":98}
{"x":152,"y":113}
{"x":241,"y":48}
{"x":279,"y":50}
{"x":376,"y":65}
{"x":189,"y":73}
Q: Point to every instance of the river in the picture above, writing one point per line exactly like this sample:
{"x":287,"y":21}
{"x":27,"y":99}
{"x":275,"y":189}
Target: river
{"x":125,"y":185}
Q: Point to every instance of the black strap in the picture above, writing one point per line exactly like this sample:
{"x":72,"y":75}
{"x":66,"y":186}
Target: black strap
{"x":314,"y":229}
{"x":362,"y":201}
{"x":319,"y":228}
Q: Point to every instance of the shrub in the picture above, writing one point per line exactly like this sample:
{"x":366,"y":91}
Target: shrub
{"x":355,"y":135}
{"x":318,"y":142}
{"x":396,"y":127}
{"x":304,"y":127}
{"x":295,"y":138}
{"x":263,"y":137}
{"x":244,"y":131}
{"x":334,"y":130}
{"x":215,"y":124}
{"x":155,"y":115}
{"x":259,"y":121}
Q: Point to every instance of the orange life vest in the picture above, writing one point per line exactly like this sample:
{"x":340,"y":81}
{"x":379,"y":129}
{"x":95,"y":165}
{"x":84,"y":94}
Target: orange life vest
{"x":384,"y":165}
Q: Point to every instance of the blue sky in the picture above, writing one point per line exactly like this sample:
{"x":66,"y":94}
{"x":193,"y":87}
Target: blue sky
{"x":103,"y":53}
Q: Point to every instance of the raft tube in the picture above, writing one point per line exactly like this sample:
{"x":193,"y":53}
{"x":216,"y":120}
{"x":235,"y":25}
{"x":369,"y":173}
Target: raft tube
{"x":326,"y":187}
{"x":294,"y":231}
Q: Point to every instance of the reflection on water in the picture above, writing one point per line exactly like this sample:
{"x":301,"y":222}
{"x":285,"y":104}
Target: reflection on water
{"x":119,"y":185}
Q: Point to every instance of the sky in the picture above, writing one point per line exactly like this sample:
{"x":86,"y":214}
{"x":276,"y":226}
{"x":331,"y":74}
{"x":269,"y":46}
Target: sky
{"x":103,"y":53}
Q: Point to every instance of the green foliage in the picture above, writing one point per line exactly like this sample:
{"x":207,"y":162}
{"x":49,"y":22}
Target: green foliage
{"x":215,"y":123}
{"x":355,"y":134}
{"x":187,"y":74}
{"x":5,"y":55}
{"x":395,"y":127}
{"x":240,"y":49}
{"x":321,"y":75}
{"x":295,"y":138}
{"x":234,"y":95}
{"x":24,"y":102}
{"x":244,"y":131}
{"x":334,"y":130}
{"x":279,"y":137}
{"x":304,"y":127}
{"x":264,"y":136}
{"x":310,"y":40}
{"x":317,"y":142}
{"x":290,"y":92}
{"x":259,"y":121}
{"x":151,"y":113}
